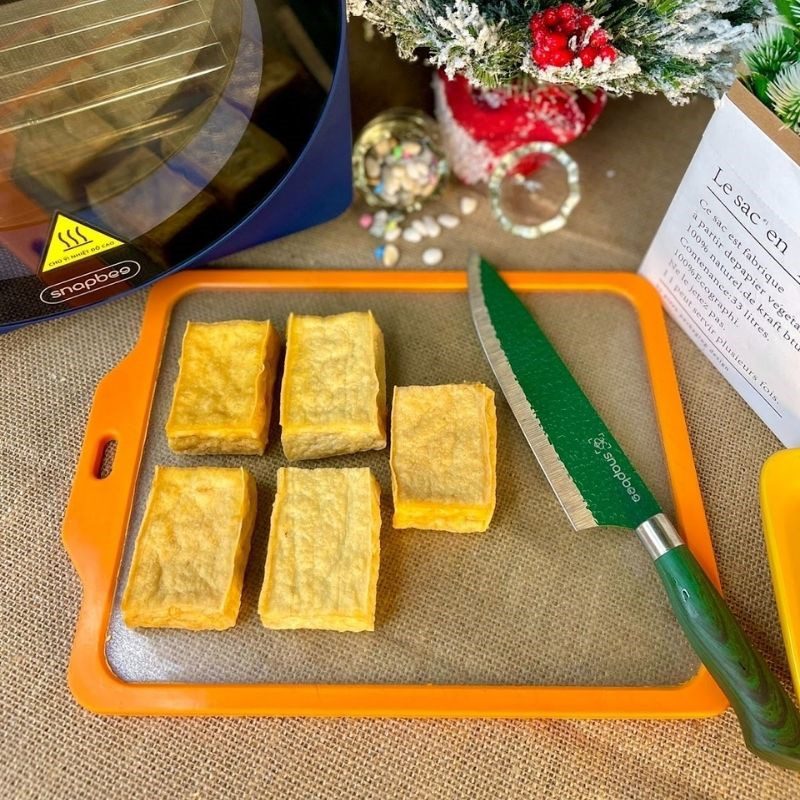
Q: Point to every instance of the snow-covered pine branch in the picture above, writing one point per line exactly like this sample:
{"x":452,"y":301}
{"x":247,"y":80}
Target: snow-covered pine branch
{"x":674,"y":47}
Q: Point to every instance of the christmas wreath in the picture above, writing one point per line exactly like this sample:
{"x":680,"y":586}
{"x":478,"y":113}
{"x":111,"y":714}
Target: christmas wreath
{"x":674,"y":47}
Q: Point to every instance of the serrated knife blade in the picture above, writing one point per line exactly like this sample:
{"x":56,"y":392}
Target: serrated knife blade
{"x":588,"y":470}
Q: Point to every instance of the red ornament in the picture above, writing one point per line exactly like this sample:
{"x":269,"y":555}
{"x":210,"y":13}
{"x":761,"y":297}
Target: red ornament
{"x":549,"y":16}
{"x":598,"y":38}
{"x":560,"y":57}
{"x":478,"y":127}
{"x":567,"y":12}
{"x":559,"y":37}
{"x":608,"y":52}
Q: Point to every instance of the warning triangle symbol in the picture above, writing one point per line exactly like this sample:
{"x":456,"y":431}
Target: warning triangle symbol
{"x":71,"y":240}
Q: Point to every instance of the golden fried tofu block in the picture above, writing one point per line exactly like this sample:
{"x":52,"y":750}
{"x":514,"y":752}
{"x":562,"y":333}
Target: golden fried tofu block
{"x":59,"y":154}
{"x":189,"y":560}
{"x":256,"y":163}
{"x":333,"y":398}
{"x":223,"y":395}
{"x":324,"y":551}
{"x":140,"y":193}
{"x":443,"y":457}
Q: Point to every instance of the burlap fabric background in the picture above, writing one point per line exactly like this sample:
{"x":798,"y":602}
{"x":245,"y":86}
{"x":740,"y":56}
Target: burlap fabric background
{"x":52,"y":748}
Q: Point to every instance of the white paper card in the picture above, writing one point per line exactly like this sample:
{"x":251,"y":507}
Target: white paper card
{"x":726,"y":261}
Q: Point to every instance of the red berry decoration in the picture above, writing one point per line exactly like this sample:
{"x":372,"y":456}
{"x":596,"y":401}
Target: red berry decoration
{"x":540,"y":55}
{"x":554,"y":41}
{"x":568,"y":12}
{"x":608,"y":52}
{"x":538,"y":23}
{"x":562,"y":57}
{"x":561,"y":34}
{"x":550,"y":17}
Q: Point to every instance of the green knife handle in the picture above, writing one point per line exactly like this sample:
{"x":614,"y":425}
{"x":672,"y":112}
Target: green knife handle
{"x":769,"y":720}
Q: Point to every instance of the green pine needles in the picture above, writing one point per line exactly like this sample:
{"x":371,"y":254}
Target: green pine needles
{"x":784,"y":94}
{"x":773,"y":63}
{"x":677,"y":48}
{"x":772,"y":47}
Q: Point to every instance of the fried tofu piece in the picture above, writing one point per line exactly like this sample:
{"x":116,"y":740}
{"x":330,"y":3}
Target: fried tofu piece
{"x":333,"y":397}
{"x":56,"y":156}
{"x":223,"y":395}
{"x":443,"y":457}
{"x":188,"y":563}
{"x":324,"y":551}
{"x":142,"y":195}
{"x":240,"y":177}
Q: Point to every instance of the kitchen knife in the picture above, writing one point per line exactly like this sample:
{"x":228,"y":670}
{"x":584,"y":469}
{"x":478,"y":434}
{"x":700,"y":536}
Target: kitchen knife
{"x":597,"y":485}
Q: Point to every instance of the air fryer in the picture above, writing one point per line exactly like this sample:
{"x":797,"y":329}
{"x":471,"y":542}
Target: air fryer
{"x":138,"y":137}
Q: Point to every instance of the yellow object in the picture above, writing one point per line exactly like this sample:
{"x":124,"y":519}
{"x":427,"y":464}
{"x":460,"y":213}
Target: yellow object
{"x":780,"y":509}
{"x":443,"y":457}
{"x":189,"y":559}
{"x":333,"y":398}
{"x":223,"y":394}
{"x":324,"y":551}
{"x":72,"y":240}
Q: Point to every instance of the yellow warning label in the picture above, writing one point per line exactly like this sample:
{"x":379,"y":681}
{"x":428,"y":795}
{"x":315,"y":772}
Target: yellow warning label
{"x":71,"y":240}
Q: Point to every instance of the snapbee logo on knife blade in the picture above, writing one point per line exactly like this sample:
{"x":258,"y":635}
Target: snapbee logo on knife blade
{"x":604,"y":449}
{"x":89,"y":282}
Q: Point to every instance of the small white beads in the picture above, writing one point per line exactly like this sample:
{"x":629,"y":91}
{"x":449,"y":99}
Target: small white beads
{"x":432,"y":256}
{"x":419,"y":226}
{"x":391,"y":255}
{"x":387,"y":254}
{"x":388,"y":225}
{"x":449,"y":221}
{"x":432,"y":228}
{"x":402,"y":173}
{"x":467,"y":205}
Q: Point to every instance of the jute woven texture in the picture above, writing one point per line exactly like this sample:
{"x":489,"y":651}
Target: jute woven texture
{"x":53,"y":749}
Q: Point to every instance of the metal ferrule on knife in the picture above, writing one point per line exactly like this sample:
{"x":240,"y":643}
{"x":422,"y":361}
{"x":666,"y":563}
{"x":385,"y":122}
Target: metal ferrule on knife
{"x":658,"y":535}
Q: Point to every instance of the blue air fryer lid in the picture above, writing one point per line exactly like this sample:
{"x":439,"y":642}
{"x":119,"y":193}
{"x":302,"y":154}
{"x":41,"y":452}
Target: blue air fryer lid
{"x":136,"y":134}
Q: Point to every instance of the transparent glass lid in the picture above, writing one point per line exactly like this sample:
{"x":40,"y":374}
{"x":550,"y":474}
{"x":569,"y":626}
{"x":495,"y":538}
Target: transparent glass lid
{"x":136,"y":132}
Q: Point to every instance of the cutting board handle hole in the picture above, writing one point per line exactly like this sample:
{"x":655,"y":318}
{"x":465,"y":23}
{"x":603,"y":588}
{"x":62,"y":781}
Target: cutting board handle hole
{"x":105,"y":461}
